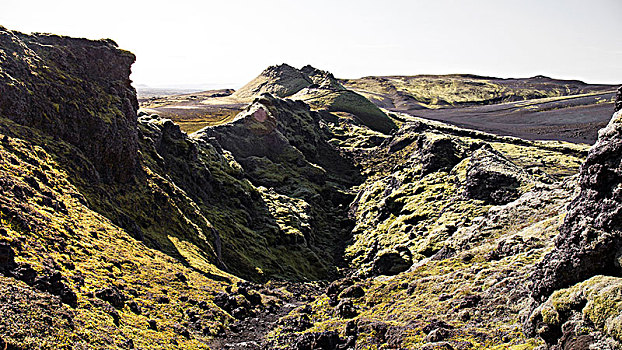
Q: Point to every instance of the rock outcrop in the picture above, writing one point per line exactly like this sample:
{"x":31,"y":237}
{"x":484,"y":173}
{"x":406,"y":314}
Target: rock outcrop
{"x":282,"y":81}
{"x":618,"y":103}
{"x":493,"y":178}
{"x":77,"y":90}
{"x":283,"y":150}
{"x":590,"y":240}
{"x":320,"y":89}
{"x":576,"y":286}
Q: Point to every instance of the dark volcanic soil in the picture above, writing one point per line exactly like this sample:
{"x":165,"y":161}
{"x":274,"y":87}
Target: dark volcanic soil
{"x":569,"y":118}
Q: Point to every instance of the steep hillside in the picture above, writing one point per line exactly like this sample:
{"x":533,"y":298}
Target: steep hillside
{"x":70,"y":156}
{"x":134,"y":252}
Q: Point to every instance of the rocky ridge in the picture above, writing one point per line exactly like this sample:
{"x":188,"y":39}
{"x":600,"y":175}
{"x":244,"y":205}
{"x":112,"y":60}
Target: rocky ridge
{"x":46,"y":75}
{"x":320,"y":90}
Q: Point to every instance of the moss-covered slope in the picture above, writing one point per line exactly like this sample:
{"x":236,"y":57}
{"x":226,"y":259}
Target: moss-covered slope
{"x":320,"y":90}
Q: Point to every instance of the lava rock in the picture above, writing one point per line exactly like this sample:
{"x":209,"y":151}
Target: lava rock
{"x":252,"y":296}
{"x":328,"y":340}
{"x":134,"y":307}
{"x":438,"y":154}
{"x":7,"y":258}
{"x":392,"y":262}
{"x":112,"y":295}
{"x":589,"y":240}
{"x":239,"y":313}
{"x":438,"y":335}
{"x":469,"y":301}
{"x":337,"y":286}
{"x":437,"y":346}
{"x":53,"y":284}
{"x":181,"y":277}
{"x":435,"y":324}
{"x":297,"y":323}
{"x":352,"y":292}
{"x":345,"y":309}
{"x":493,"y":178}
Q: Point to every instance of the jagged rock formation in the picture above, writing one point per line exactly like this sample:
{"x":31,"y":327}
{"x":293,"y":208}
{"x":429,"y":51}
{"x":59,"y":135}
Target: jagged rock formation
{"x":430,"y":266}
{"x":589,"y":240}
{"x":587,"y":247}
{"x":319,"y":89}
{"x":74,"y":89}
{"x":284,"y":80}
{"x":160,"y":234}
{"x":618,"y":103}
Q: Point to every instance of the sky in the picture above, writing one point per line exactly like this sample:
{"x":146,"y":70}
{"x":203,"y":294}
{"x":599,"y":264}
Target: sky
{"x":226,"y":43}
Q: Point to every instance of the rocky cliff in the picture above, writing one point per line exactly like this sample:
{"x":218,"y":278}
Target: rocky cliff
{"x":74,"y":89}
{"x":570,"y":280}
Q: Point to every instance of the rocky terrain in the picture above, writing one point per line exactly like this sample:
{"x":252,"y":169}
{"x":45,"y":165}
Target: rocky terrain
{"x":307,"y":215}
{"x":537,"y":108}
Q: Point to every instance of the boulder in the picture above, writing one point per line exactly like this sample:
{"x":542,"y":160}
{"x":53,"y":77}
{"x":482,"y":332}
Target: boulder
{"x":328,"y":340}
{"x":112,"y":295}
{"x":438,"y":154}
{"x":493,"y":178}
{"x":391,"y":262}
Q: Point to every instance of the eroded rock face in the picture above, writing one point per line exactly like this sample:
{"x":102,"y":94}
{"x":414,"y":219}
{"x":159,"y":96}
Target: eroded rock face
{"x":591,"y":236}
{"x":571,"y":295}
{"x":618,"y":105}
{"x":77,"y":90}
{"x":278,"y":133}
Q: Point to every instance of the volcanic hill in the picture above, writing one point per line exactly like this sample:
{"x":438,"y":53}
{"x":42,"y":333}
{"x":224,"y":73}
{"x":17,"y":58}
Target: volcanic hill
{"x":308,"y":214}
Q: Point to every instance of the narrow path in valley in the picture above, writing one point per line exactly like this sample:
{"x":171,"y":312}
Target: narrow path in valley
{"x":250,"y":333}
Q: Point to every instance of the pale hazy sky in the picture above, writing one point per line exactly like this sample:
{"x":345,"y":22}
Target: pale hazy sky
{"x":226,"y":43}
